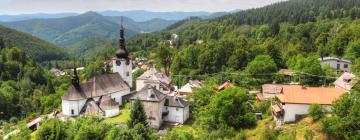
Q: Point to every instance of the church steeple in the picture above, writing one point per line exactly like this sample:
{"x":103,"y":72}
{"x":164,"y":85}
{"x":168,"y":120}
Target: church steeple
{"x":75,"y":79}
{"x":122,"y":52}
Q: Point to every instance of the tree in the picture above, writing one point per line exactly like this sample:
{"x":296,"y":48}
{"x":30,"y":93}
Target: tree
{"x":137,"y":115}
{"x":316,"y":111}
{"x":261,"y":68}
{"x":178,"y":135}
{"x":51,"y":130}
{"x":228,"y":109}
{"x":343,"y":123}
{"x":2,"y":43}
{"x":165,"y":55}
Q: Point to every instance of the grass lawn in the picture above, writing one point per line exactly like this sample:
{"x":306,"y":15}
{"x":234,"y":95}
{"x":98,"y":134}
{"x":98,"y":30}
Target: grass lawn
{"x":123,"y":117}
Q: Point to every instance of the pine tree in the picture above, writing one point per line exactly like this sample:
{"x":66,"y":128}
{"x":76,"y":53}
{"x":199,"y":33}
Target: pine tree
{"x":137,"y":114}
{"x":2,"y":44}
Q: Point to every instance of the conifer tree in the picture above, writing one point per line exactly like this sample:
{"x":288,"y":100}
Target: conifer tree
{"x":137,"y":115}
{"x":2,"y":44}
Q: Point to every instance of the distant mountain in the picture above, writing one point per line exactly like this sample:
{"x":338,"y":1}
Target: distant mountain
{"x":70,"y":30}
{"x":140,"y":15}
{"x":36,"y":48}
{"x":89,"y":47}
{"x":9,"y":18}
{"x":136,"y":15}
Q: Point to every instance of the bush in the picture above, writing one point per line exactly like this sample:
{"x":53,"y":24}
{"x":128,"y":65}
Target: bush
{"x":316,"y":111}
{"x":308,"y":135}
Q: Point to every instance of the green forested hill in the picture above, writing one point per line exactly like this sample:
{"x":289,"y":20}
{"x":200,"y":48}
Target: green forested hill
{"x":70,"y":30}
{"x":90,"y":47}
{"x":286,"y":31}
{"x":36,"y":48}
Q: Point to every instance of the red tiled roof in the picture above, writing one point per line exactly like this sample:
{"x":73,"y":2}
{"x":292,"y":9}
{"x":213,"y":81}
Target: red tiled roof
{"x":309,"y":95}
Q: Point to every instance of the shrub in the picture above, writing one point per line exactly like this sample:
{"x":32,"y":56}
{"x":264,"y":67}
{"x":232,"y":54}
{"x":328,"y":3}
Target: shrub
{"x":308,"y":135}
{"x":316,"y":111}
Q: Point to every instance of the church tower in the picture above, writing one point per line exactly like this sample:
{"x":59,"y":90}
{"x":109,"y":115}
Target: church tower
{"x":122,"y":62}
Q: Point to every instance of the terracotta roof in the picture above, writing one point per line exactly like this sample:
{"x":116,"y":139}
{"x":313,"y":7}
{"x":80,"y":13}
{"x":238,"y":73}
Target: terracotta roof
{"x":345,"y":81}
{"x":275,"y":108}
{"x":96,"y":87}
{"x":309,"y":95}
{"x":149,"y":93}
{"x":174,"y":101}
{"x":106,"y":103}
{"x":227,"y":84}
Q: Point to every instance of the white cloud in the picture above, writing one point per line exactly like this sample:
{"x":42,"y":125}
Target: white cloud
{"x":52,"y":6}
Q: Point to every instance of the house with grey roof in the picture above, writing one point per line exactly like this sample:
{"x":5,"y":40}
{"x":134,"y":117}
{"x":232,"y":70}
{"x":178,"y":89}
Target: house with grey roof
{"x":156,"y":79}
{"x":188,"y":87}
{"x":160,"y":107}
{"x":336,"y":63}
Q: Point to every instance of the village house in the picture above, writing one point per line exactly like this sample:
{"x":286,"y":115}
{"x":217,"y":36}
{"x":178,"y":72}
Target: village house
{"x":336,"y":63}
{"x":189,"y":87}
{"x":294,"y":101}
{"x":269,"y":91}
{"x":156,"y":79}
{"x":160,"y":107}
{"x":225,"y":85}
{"x":102,"y":94}
{"x":346,"y":81}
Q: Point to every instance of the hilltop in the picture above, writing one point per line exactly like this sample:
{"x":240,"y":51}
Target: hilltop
{"x":36,"y":48}
{"x":70,"y":30}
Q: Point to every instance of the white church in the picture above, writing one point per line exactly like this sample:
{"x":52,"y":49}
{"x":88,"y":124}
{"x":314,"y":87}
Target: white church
{"x":101,"y":94}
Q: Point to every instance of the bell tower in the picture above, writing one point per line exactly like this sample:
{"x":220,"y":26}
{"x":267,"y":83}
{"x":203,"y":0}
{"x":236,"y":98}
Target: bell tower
{"x":122,"y":62}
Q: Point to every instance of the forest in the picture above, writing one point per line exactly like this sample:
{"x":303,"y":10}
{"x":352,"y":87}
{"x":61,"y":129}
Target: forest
{"x":247,"y":48}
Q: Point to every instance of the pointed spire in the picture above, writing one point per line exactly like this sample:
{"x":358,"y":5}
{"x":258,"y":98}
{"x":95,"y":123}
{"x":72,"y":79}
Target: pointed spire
{"x":122,"y":36}
{"x":75,"y":79}
{"x":122,"y":52}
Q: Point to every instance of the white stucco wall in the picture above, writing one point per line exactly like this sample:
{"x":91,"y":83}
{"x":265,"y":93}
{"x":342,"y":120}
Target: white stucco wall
{"x":123,"y":69}
{"x":291,"y":110}
{"x":179,"y":116}
{"x":111,"y":113}
{"x":67,"y":106}
{"x":118,"y":95}
{"x":140,"y":84}
{"x":333,"y":64}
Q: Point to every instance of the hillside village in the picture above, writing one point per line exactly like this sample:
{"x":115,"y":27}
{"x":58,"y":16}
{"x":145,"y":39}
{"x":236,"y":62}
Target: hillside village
{"x":288,"y":70}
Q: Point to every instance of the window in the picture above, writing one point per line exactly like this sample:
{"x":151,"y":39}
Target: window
{"x":338,"y":66}
{"x":118,"y":62}
{"x":177,"y":109}
{"x":127,"y":74}
{"x":72,"y":111}
{"x":345,"y":66}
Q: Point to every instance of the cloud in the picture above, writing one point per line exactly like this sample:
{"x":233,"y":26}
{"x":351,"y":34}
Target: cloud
{"x":52,"y":6}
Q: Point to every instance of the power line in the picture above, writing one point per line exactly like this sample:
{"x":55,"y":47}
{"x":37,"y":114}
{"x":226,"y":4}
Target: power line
{"x":256,"y":74}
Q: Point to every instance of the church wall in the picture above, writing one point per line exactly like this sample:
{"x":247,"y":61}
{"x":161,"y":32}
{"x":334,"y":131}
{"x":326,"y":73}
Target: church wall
{"x":76,"y":106}
{"x":118,"y":95}
{"x":123,"y":69}
{"x":112,"y":113}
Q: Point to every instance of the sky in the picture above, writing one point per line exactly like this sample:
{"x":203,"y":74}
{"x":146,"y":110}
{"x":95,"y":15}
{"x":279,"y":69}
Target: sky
{"x":80,"y":6}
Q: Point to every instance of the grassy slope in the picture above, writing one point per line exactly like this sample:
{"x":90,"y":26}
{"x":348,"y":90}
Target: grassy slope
{"x":255,"y":133}
{"x":123,"y":117}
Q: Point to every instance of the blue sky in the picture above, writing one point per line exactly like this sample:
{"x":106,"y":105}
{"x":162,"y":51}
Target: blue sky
{"x":55,"y":6}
